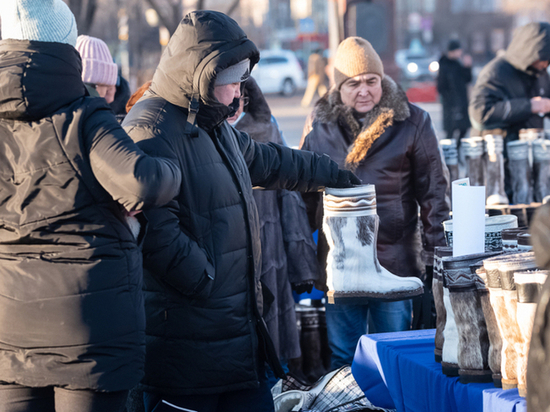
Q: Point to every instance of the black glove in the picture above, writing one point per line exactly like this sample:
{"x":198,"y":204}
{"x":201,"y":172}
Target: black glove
{"x":304,"y":287}
{"x":346,"y":179}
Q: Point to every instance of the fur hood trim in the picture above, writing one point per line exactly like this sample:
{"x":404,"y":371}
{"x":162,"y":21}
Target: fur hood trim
{"x":393,"y":107}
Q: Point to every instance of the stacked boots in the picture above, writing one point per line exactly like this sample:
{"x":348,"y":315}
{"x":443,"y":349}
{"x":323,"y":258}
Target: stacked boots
{"x":510,"y":238}
{"x":503,"y":297}
{"x":493,"y":331}
{"x":437,"y":288}
{"x":520,"y":171}
{"x":469,"y":349}
{"x":310,"y":366}
{"x":541,"y":169}
{"x":450,"y":153}
{"x":494,"y":170}
{"x":473,"y":152}
{"x":528,"y":287}
{"x":350,"y":224}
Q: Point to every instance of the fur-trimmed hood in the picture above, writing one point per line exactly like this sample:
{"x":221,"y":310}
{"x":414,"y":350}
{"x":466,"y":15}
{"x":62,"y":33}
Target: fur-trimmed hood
{"x":393,"y":107}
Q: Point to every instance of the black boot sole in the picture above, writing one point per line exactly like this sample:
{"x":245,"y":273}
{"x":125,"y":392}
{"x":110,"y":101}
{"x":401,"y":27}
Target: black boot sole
{"x":358,"y":298}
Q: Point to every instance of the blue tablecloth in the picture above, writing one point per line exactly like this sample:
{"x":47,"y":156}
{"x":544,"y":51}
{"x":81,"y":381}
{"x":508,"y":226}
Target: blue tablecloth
{"x":398,"y":370}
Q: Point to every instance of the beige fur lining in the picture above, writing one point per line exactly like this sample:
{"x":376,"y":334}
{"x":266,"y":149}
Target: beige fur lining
{"x":365,"y":139}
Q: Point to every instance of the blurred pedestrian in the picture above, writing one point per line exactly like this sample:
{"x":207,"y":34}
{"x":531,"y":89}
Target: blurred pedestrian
{"x":122,"y":95}
{"x":207,"y":343}
{"x":366,"y":123}
{"x":316,"y":77}
{"x":512,"y":91}
{"x":72,"y":328}
{"x":455,"y":72}
{"x":288,"y":249}
{"x":99,"y":71}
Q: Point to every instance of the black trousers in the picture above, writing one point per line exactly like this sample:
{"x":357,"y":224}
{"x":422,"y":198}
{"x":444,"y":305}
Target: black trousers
{"x":16,"y":398}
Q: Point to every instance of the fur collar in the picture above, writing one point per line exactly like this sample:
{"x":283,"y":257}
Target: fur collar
{"x":393,"y":107}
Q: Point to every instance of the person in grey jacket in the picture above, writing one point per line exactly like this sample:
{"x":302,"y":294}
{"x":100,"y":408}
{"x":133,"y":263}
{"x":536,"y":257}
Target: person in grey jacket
{"x":72,"y":320}
{"x":206,"y":340}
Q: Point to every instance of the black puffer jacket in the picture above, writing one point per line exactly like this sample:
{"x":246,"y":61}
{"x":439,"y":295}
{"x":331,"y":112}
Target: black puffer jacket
{"x":404,"y":163}
{"x":501,"y":96}
{"x":202,"y":253}
{"x":71,"y":307}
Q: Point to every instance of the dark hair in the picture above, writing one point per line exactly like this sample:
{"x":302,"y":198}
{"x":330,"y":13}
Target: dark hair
{"x":454,"y":45}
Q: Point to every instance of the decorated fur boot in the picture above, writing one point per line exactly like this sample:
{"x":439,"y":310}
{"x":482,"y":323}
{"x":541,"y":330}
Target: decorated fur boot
{"x":520,"y":171}
{"x":473,"y":151}
{"x":507,"y":269}
{"x":541,"y":169}
{"x":528,"y":287}
{"x":494,"y":170}
{"x":510,"y":238}
{"x":450,"y":153}
{"x":472,"y":339}
{"x":437,"y":288}
{"x":350,"y":224}
{"x":493,"y":331}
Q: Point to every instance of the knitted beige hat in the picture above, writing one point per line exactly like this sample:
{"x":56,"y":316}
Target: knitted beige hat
{"x":355,"y":56}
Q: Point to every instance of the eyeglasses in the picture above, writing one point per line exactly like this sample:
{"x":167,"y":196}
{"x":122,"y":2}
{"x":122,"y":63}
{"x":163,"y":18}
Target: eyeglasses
{"x":245,"y":100}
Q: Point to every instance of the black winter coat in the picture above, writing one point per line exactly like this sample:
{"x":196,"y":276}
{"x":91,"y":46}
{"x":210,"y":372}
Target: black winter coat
{"x":501,"y":96}
{"x":71,"y":306}
{"x":452,"y":85}
{"x":404,"y":163}
{"x":202,"y":253}
{"x":288,"y":249}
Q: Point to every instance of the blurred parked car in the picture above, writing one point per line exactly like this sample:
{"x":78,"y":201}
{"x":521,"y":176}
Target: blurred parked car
{"x":279,"y":71}
{"x":417,"y":64}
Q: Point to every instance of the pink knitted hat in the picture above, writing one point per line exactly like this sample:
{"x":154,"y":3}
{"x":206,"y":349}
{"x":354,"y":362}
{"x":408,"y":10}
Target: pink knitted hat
{"x":97,"y":64}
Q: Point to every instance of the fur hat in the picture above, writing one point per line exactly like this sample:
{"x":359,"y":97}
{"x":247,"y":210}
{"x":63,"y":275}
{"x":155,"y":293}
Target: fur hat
{"x":39,"y":20}
{"x":234,"y":74}
{"x":97,"y":64}
{"x":355,"y":56}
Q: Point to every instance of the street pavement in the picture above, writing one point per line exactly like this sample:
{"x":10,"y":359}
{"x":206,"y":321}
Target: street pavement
{"x":292,"y":117}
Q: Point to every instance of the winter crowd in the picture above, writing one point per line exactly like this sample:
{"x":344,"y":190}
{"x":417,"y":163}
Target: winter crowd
{"x":135,"y":256}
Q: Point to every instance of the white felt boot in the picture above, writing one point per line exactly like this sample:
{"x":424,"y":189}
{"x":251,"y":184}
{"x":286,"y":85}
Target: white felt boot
{"x":354,"y":274}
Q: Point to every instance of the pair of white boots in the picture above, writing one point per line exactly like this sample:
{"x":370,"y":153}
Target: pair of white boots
{"x":354,"y":274}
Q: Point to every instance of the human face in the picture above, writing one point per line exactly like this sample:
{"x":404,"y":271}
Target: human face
{"x":107,"y":92}
{"x":226,"y":93}
{"x":540,"y":65}
{"x":362,"y":92}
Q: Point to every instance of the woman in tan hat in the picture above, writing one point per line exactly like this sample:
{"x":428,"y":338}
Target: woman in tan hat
{"x":365,"y":123}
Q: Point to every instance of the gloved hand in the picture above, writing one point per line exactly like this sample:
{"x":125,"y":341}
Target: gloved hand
{"x":304,"y":287}
{"x":346,"y":179}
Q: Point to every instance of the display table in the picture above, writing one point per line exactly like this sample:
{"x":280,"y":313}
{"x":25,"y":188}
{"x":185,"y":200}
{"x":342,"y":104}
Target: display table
{"x":398,"y":371}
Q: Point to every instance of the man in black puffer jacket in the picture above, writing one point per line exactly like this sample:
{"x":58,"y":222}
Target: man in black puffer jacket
{"x":512,"y":91}
{"x":206,"y":341}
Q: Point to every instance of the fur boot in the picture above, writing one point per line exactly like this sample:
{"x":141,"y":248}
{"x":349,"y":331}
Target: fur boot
{"x":473,"y":151}
{"x":541,"y":169}
{"x":524,"y":242}
{"x":472,"y":347}
{"x":450,"y":153}
{"x":310,"y":343}
{"x":494,"y":170}
{"x":354,"y":274}
{"x":528,"y":287}
{"x":437,"y":288}
{"x":501,"y":288}
{"x":493,"y":331}
{"x":510,"y":238}
{"x":520,"y":171}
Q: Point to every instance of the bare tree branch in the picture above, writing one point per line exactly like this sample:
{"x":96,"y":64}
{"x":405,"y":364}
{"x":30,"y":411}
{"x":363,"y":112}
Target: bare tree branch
{"x":233,"y":7}
{"x":200,"y":4}
{"x":170,"y":23}
{"x":84,"y":13}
